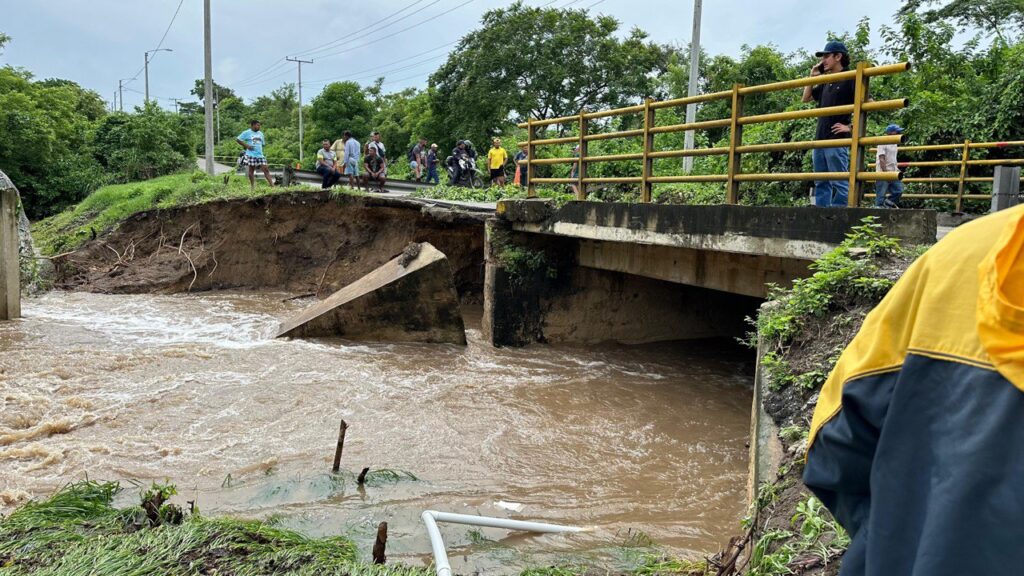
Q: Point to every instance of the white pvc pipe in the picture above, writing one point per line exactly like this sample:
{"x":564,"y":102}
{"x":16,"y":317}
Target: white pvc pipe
{"x":431,"y":518}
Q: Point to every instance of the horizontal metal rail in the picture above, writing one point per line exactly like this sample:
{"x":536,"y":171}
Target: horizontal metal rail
{"x":855,"y":142}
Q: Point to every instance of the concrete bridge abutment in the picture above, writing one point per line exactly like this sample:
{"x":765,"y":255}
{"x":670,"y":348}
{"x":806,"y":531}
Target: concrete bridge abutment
{"x":634,"y":273}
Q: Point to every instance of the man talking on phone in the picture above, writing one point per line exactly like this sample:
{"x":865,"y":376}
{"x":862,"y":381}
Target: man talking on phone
{"x":834,"y":59}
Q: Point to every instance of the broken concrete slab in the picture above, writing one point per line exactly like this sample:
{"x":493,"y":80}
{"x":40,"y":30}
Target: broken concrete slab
{"x":411,"y":298}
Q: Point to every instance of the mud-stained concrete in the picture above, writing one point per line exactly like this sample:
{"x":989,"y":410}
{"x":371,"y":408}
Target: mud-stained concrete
{"x":307,"y":243}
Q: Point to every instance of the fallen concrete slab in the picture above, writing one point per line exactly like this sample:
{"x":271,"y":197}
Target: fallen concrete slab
{"x":411,"y":298}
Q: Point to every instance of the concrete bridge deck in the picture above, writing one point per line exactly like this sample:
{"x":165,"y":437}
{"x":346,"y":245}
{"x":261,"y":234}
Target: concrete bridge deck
{"x":623,"y":271}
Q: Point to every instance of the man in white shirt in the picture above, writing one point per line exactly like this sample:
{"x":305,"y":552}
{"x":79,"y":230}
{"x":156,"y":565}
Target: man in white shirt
{"x":885,"y":161}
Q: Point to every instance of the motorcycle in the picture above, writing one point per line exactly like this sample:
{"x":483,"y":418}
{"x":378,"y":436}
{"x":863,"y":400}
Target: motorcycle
{"x":469,"y":177}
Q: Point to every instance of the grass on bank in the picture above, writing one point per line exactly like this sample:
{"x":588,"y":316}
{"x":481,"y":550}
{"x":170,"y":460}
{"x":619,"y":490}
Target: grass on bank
{"x":489,"y":194}
{"x":79,"y":531}
{"x":107,"y":206}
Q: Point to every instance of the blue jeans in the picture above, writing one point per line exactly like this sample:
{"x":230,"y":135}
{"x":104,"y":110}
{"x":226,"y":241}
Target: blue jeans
{"x":831,"y":193}
{"x":329,"y":174}
{"x":894,"y":188}
{"x":432,"y":175}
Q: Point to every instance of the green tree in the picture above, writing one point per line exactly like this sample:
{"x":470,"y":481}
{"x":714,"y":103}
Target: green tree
{"x":995,"y":17}
{"x":341,"y":106}
{"x":148,"y":143}
{"x":541,"y":63}
{"x":45,"y":148}
{"x":219,"y":92}
{"x":4,"y":39}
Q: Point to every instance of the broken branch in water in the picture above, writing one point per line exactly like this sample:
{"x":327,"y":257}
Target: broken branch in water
{"x":379,"y":546}
{"x":341,"y":446}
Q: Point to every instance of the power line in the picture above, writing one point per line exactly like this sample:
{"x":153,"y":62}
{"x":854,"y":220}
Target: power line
{"x":393,"y":34}
{"x":363,"y":45}
{"x":366,"y":30}
{"x":277,"y":64}
{"x":162,"y":38}
{"x":384,"y":68}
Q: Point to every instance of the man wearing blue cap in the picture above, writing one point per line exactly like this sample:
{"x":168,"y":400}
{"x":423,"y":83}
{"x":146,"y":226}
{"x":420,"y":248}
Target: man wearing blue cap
{"x":885,"y":161}
{"x":834,"y":58}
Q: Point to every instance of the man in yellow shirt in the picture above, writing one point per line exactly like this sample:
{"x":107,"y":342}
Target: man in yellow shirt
{"x":496,"y":159}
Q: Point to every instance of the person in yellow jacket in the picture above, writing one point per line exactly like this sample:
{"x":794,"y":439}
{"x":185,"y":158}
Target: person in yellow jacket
{"x":917,"y":441}
{"x":496,"y":159}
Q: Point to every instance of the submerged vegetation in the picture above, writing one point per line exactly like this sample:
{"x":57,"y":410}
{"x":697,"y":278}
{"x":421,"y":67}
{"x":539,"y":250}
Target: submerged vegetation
{"x":78,"y":530}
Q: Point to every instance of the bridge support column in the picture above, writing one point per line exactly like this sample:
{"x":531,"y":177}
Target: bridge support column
{"x":10,"y":269}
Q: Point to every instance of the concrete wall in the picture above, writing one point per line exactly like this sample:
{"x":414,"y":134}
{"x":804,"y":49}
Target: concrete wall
{"x":564,"y":300}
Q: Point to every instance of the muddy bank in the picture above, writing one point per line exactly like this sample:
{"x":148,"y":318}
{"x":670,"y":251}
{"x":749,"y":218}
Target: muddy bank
{"x":297,"y":242}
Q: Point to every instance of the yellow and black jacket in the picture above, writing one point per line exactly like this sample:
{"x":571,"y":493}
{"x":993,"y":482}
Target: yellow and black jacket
{"x":917,"y":441}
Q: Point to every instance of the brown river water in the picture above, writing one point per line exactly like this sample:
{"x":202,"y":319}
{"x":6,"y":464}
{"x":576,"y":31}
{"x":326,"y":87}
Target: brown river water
{"x":646,"y":445}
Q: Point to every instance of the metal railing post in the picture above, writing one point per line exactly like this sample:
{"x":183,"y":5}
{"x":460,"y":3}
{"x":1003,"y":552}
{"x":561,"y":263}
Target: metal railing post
{"x":963,"y":176}
{"x":857,"y":129}
{"x":648,"y":167}
{"x":732,"y":187}
{"x":581,"y":171}
{"x":531,"y":153}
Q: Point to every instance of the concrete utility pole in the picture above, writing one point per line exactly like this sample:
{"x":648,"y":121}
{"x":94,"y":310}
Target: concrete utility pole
{"x":300,"y":63}
{"x":691,"y":109}
{"x":148,"y":52}
{"x":216,"y":107}
{"x":208,"y":88}
{"x":10,"y":267}
{"x":120,"y":95}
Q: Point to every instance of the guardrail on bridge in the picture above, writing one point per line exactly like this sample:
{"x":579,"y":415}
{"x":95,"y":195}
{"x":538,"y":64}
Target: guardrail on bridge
{"x":734,"y":176}
{"x":964,"y":163}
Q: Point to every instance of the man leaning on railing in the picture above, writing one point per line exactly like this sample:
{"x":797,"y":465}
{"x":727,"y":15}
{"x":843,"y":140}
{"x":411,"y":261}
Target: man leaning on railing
{"x":834,"y":58}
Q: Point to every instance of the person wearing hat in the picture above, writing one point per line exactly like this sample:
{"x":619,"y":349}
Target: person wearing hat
{"x":885,"y":161}
{"x":834,"y":58}
{"x":432,"y":165}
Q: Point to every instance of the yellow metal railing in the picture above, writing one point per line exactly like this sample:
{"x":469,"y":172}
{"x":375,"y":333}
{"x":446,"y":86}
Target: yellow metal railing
{"x":734,"y":176}
{"x":964,"y":162}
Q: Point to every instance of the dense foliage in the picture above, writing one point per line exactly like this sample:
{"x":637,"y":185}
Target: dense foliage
{"x":967,"y":82}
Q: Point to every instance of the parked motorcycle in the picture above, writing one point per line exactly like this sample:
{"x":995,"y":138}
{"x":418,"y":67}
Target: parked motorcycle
{"x":469,"y":177}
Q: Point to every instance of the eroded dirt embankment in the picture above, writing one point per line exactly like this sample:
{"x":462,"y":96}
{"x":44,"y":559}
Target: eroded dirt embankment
{"x":300,"y":242}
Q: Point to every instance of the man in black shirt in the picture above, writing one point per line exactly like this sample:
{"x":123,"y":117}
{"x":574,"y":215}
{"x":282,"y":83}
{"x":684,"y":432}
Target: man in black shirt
{"x":834,"y":58}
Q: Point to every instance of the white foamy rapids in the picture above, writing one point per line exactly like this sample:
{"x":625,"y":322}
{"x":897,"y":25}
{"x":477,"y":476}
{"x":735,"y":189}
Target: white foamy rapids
{"x":143,"y":321}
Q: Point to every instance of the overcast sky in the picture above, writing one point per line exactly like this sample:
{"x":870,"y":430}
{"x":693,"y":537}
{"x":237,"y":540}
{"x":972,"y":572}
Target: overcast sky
{"x":97,"y":42}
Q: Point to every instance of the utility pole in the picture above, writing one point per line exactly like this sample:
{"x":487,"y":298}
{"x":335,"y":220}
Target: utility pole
{"x":176,"y":100}
{"x":208,"y":88}
{"x":691,"y":109}
{"x":216,"y":107}
{"x":148,"y":52}
{"x":300,"y":63}
{"x":113,"y":103}
{"x":120,"y":95}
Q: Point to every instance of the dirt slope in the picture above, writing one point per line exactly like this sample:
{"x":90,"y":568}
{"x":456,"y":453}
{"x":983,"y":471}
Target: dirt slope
{"x":301,"y":242}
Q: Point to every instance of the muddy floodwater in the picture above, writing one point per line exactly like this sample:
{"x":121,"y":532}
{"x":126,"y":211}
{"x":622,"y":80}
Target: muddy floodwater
{"x":646,"y":444}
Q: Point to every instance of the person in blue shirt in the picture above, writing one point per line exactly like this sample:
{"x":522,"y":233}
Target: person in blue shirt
{"x":253,"y":140}
{"x":432,"y":165}
{"x":350,"y":161}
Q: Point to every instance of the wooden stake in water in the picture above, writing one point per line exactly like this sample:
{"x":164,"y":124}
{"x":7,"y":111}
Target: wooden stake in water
{"x":380,"y":544}
{"x":362,"y":476}
{"x":341,"y":446}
